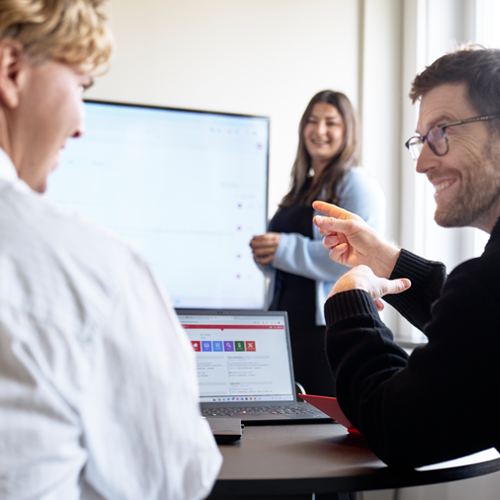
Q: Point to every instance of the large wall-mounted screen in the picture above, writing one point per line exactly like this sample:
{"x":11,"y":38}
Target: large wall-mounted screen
{"x":186,"y":188}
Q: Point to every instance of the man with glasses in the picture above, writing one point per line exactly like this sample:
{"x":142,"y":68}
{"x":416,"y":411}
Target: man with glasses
{"x":412,"y":410}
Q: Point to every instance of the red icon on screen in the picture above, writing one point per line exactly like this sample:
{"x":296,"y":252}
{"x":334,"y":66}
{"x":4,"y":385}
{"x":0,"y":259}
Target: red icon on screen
{"x":196,"y":345}
{"x":250,"y":345}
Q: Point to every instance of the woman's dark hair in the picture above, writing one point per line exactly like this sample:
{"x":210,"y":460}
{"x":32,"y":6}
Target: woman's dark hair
{"x":326,"y":186}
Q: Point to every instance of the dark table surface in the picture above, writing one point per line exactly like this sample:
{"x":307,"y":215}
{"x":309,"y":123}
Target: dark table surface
{"x":323,"y":458}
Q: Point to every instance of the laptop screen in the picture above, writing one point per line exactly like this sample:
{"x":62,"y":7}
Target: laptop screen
{"x":242,"y":356}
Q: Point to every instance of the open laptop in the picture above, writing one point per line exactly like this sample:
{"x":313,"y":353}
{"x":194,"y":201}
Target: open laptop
{"x":244,"y":366}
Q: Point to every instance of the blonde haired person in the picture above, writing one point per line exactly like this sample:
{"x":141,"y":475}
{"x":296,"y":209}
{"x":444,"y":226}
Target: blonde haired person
{"x":98,"y":393}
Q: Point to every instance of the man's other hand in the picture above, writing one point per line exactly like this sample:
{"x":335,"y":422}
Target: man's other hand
{"x":362,"y":278}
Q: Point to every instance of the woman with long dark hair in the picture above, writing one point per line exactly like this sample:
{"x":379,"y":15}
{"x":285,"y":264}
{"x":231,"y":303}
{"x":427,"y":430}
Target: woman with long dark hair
{"x":291,"y":253}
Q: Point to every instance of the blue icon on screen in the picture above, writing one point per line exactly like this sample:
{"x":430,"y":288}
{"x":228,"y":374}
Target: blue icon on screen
{"x":217,"y":345}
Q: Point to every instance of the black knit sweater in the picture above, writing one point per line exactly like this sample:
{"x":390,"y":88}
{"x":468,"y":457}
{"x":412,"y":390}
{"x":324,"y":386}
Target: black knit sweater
{"x":444,"y":400}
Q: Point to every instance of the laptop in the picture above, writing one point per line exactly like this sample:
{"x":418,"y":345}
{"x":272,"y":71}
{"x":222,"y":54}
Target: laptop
{"x":244,"y":366}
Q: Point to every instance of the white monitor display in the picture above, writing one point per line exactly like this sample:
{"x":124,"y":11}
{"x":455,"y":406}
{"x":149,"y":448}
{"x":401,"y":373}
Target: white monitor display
{"x":187,"y":188}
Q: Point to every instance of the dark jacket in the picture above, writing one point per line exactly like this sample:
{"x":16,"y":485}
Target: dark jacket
{"x":444,"y":400}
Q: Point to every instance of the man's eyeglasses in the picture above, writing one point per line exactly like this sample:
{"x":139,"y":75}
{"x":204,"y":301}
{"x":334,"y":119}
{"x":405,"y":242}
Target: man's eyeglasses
{"x":437,"y":138}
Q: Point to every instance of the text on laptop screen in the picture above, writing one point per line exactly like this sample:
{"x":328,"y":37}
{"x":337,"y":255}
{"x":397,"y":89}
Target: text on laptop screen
{"x":187,"y":188}
{"x":240,"y":359}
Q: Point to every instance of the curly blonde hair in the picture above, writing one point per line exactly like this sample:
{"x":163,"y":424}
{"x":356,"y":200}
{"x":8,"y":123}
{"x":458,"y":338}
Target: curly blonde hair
{"x":71,"y":31}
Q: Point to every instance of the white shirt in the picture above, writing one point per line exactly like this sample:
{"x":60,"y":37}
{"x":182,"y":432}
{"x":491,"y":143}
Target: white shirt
{"x":98,"y":392}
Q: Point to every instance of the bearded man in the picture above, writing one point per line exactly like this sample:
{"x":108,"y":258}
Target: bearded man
{"x":411,"y":410}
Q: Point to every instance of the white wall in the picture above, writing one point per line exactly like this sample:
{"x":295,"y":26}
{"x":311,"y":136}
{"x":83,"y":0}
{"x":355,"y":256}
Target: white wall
{"x":380,"y":105}
{"x":380,"y":89}
{"x":267,"y":57}
{"x":264,"y":57}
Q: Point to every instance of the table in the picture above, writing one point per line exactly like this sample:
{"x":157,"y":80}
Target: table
{"x":297,"y":460}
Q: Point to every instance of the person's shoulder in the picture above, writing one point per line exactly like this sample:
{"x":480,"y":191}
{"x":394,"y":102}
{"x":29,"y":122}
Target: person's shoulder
{"x":360,"y":184}
{"x":56,"y":229}
{"x":56,"y":259}
{"x":484,"y":270}
{"x":359,"y":179}
{"x":360,"y":193}
{"x":488,"y":260}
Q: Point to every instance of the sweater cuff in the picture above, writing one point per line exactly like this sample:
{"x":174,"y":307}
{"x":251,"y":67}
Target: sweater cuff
{"x":347,"y":304}
{"x":409,"y":264}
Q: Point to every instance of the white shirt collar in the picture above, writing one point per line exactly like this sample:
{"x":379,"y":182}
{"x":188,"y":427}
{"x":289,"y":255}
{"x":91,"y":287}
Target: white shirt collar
{"x":7,"y":169}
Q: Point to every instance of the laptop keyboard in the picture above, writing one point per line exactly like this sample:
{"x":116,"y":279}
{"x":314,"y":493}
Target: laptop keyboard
{"x":274,"y":410}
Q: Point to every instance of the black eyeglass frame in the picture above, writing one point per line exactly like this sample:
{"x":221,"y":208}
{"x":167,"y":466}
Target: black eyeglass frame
{"x":443,"y":127}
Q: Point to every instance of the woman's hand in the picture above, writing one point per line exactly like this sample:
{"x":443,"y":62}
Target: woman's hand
{"x":264,"y":247}
{"x":362,"y":278}
{"x":353,"y":242}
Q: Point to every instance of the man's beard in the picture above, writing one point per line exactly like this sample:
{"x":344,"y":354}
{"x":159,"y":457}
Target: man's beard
{"x":478,"y":192}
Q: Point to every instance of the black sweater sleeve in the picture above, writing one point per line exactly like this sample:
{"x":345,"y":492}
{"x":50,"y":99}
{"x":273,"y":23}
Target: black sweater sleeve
{"x":414,"y":411}
{"x":427,"y":278}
